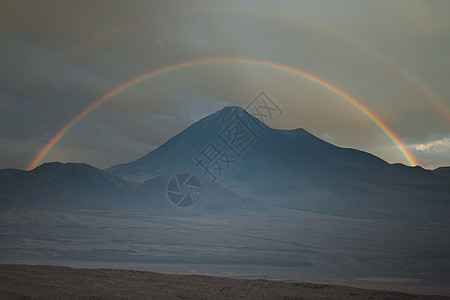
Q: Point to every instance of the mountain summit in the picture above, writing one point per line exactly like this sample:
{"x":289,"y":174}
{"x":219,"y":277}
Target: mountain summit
{"x":236,"y":149}
{"x":226,"y":128}
{"x":238,"y":159}
{"x":229,"y":145}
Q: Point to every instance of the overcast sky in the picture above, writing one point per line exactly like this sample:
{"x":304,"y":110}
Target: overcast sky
{"x":57,"y":57}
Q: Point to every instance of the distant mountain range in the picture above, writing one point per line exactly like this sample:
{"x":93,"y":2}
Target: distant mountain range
{"x":230,"y":195}
{"x":81,"y":186}
{"x":63,"y":185}
{"x":263,"y":151}
{"x":293,"y":168}
{"x":239,"y":159}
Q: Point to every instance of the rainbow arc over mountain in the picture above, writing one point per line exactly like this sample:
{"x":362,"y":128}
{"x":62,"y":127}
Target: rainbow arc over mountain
{"x":226,"y":60}
{"x":440,"y":106}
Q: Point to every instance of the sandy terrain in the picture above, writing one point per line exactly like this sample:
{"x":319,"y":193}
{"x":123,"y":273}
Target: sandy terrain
{"x":50,"y":282}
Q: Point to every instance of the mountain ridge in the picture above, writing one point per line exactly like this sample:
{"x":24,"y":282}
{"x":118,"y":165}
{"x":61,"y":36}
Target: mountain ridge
{"x":63,"y":184}
{"x":292,"y":168}
{"x":58,"y":185}
{"x":305,"y":150}
{"x":234,"y":150}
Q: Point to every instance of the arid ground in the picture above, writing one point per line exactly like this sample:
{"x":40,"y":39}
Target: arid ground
{"x":50,"y":282}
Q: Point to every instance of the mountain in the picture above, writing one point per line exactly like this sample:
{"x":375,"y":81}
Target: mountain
{"x":229,"y":194}
{"x":292,"y":168}
{"x":261,"y":155}
{"x":164,"y":194}
{"x":231,"y":161}
{"x":63,"y":185}
{"x":229,"y":146}
{"x":10,"y":171}
{"x":72,"y":185}
{"x":443,"y":171}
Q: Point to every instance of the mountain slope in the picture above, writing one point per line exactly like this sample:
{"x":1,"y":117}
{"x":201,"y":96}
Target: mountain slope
{"x":63,"y":185}
{"x":10,"y":171}
{"x":288,"y":157}
{"x":293,"y":168}
{"x":57,"y":185}
{"x":213,"y":197}
{"x":248,"y":148}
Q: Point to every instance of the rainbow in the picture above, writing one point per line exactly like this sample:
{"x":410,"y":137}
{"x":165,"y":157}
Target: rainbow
{"x":395,"y":68}
{"x":438,"y":104}
{"x":387,"y":131}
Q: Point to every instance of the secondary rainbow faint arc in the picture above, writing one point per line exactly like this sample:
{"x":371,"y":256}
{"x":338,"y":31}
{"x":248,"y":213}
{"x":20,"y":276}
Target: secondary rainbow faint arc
{"x":340,"y":35}
{"x":389,"y":133}
{"x":394,"y":67}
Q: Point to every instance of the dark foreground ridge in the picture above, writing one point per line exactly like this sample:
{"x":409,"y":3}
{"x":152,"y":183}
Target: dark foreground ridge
{"x":50,"y":282}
